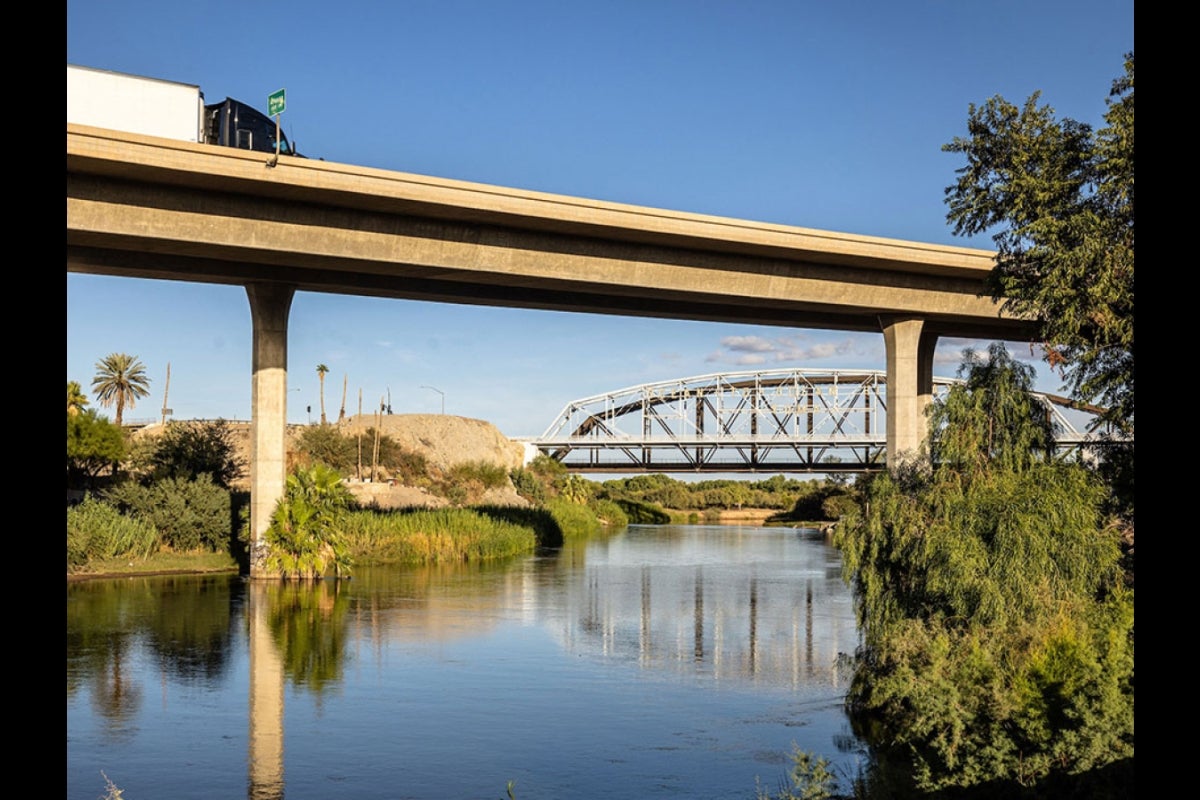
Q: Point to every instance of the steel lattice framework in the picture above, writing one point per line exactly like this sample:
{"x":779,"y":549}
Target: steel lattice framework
{"x":787,"y":420}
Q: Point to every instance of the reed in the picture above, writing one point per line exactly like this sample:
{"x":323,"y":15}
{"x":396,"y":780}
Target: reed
{"x":433,"y":536}
{"x":97,"y":530}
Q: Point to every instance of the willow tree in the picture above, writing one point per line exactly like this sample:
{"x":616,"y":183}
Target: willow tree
{"x":120,"y":381}
{"x":1057,"y":197}
{"x":997,"y":625}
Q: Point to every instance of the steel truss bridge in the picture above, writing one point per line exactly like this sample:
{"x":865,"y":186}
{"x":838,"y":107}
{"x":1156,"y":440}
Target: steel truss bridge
{"x":788,"y":420}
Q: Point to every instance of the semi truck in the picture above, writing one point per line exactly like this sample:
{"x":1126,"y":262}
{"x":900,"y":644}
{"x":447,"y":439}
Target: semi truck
{"x":137,"y":104}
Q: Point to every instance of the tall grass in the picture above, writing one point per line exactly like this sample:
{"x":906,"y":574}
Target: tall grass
{"x":433,"y":536}
{"x":575,"y":519}
{"x":96,"y":530}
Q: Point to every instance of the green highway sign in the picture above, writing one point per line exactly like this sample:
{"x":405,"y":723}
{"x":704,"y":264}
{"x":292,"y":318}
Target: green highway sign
{"x":276,"y":103}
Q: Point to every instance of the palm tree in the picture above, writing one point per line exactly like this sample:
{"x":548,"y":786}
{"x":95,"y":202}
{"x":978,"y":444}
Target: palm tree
{"x":76,"y":399}
{"x":121,"y":381}
{"x":321,"y":370}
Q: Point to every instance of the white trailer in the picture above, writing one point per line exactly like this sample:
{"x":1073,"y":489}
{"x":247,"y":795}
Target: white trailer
{"x":134,"y":104}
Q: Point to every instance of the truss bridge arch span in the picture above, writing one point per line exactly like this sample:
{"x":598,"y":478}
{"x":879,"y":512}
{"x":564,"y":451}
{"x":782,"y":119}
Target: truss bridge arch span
{"x":781,"y":420}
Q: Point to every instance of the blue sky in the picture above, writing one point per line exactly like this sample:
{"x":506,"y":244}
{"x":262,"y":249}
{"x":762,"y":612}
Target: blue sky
{"x":816,"y":114}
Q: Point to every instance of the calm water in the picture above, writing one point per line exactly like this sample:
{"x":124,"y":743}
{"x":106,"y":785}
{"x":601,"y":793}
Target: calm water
{"x":664,"y":662}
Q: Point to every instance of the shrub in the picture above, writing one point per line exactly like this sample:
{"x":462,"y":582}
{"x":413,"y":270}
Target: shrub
{"x":306,"y":536}
{"x":97,"y":530}
{"x":467,"y":482}
{"x":324,"y":444}
{"x":188,"y":514}
{"x":187,"y":450}
{"x":609,"y":513}
{"x":528,"y":485}
{"x":573,"y":519}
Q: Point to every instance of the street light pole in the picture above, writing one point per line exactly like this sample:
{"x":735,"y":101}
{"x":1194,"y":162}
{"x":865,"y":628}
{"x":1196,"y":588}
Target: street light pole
{"x":443,"y":394}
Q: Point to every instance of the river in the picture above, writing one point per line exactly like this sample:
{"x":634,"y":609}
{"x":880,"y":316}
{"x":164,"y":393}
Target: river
{"x":658,"y":662}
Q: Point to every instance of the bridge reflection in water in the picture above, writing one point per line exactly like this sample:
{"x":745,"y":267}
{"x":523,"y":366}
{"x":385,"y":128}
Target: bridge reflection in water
{"x":785,"y":420}
{"x":655,"y":597}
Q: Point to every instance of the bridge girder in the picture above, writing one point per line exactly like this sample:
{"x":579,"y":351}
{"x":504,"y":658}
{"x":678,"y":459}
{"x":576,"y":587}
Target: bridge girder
{"x":784,"y":420}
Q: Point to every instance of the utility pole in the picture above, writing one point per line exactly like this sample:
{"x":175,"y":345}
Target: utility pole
{"x":166,"y":388}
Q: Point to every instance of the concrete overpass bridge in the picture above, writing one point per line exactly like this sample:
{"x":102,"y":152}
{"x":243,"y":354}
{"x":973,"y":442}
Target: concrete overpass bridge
{"x":782,"y":420}
{"x":147,"y":207}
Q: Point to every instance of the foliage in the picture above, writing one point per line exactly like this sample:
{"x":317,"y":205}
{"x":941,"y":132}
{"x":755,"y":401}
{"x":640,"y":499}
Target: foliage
{"x":639,"y":513}
{"x":93,"y":445}
{"x":575,"y":520}
{"x":1060,"y":197}
{"x":609,"y":512}
{"x":121,"y":381}
{"x":97,"y":530}
{"x":188,"y":449}
{"x":76,"y":399}
{"x":325,"y":444}
{"x":189,"y":514}
{"x":664,"y":491}
{"x":810,"y":779}
{"x":467,"y":482}
{"x":991,"y":421}
{"x":440,"y":536}
{"x":821,"y":501}
{"x":306,"y":536}
{"x":527,"y":485}
{"x":997,"y":625}
{"x":574,"y":489}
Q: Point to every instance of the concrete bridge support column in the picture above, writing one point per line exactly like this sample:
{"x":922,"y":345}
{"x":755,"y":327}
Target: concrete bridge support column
{"x":269,"y":307}
{"x":909,"y":385}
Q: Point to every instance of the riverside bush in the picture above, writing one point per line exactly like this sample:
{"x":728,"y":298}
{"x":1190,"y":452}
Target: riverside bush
{"x":575,"y":520}
{"x":997,"y":625}
{"x":96,"y":531}
{"x":188,"y":514}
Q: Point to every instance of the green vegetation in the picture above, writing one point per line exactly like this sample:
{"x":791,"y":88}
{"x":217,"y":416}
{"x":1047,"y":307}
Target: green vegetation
{"x":189,"y":514}
{"x":1059,"y":197}
{"x":997,"y":620}
{"x":995,"y":601}
{"x":368,"y":454}
{"x":96,"y":530}
{"x":170,"y":489}
{"x":810,"y":779}
{"x":120,"y":381}
{"x":306,"y":536}
{"x":76,"y":399}
{"x":434,"y":536}
{"x":93,"y":445}
{"x":187,"y":450}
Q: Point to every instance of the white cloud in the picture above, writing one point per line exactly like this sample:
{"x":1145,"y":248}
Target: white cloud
{"x":747,"y":344}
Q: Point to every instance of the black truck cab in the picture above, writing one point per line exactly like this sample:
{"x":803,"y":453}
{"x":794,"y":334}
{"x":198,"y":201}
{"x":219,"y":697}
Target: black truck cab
{"x":231,"y":123}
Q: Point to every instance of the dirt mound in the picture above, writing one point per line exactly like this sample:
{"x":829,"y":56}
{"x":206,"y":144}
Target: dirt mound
{"x":443,"y":439}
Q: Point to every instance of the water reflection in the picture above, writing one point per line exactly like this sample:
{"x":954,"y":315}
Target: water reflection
{"x":719,"y":606}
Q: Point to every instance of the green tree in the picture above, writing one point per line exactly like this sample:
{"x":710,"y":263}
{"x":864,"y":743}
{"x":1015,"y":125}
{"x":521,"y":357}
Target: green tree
{"x":189,"y":449}
{"x":991,"y":419}
{"x":93,"y":445}
{"x":1058,"y":197}
{"x":997,"y":625}
{"x":321,"y":370}
{"x":121,"y":381}
{"x":306,"y":535}
{"x":76,"y":399}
